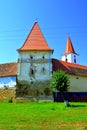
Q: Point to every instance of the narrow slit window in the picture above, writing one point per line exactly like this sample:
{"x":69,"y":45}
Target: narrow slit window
{"x":43,"y":69}
{"x":74,"y":59}
{"x":32,"y":71}
{"x":66,"y":60}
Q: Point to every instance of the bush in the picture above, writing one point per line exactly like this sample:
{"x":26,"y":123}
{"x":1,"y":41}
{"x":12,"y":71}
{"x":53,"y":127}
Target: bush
{"x":9,"y":100}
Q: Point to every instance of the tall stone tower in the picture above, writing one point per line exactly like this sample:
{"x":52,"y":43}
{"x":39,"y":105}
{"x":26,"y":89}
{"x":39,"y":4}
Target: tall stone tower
{"x":69,"y":55}
{"x":34,"y":64}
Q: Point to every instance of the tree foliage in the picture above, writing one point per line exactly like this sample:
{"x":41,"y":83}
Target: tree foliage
{"x":60,"y":81}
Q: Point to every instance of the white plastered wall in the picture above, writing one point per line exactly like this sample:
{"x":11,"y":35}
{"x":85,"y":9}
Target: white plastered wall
{"x":40,"y":60}
{"x":70,"y":57}
{"x":78,"y":84}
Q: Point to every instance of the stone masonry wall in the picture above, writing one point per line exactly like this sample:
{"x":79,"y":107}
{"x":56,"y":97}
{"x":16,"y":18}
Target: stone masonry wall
{"x":6,"y":94}
{"x":37,"y":91}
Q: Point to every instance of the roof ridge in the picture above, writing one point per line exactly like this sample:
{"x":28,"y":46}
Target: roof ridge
{"x":73,"y":64}
{"x":70,"y":68}
{"x":28,"y":36}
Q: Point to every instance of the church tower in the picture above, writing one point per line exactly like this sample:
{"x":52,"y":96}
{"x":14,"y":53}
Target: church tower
{"x":69,"y":55}
{"x":34,"y":62}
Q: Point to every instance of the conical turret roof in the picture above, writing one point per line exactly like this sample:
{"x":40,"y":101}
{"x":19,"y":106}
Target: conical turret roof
{"x":69,"y":47}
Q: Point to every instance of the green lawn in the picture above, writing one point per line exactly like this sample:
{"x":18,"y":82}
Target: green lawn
{"x":43,"y":116}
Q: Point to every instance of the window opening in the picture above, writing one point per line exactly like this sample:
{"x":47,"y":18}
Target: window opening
{"x":66,"y":60}
{"x":43,"y":69}
{"x":43,"y":57}
{"x":32,"y":71}
{"x":31,"y":57}
{"x":74,"y":59}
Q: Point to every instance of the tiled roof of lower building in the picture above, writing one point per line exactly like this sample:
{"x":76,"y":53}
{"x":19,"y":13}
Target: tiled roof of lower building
{"x":8,"y":69}
{"x":70,"y":68}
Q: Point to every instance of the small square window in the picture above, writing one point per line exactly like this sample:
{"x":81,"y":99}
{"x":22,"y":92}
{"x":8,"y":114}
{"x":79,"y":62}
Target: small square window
{"x":31,"y":57}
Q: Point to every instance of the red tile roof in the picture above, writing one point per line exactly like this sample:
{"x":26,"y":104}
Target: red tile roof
{"x":70,"y":68}
{"x":35,"y":40}
{"x":58,"y":64}
{"x":8,"y":69}
{"x":69,"y":47}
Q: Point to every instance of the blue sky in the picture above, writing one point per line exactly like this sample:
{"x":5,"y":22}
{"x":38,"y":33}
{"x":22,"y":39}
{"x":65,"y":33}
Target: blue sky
{"x":56,"y":18}
{"x":6,"y":80}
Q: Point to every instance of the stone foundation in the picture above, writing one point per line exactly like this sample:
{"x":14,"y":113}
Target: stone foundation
{"x":5,"y":94}
{"x":34,"y":91}
{"x":28,"y":92}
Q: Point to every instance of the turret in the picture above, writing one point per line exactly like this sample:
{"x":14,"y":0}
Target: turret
{"x":69,"y":55}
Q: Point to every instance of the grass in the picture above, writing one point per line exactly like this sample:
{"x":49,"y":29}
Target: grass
{"x":43,"y":116}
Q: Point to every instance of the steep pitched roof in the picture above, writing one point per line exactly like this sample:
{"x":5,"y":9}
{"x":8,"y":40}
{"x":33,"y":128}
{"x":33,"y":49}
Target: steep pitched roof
{"x":35,"y":40}
{"x":69,"y":47}
{"x":70,"y":68}
{"x":8,"y":69}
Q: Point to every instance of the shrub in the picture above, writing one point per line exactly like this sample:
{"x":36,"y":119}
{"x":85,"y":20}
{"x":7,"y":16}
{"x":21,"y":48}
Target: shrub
{"x":9,"y":100}
{"x":5,"y":87}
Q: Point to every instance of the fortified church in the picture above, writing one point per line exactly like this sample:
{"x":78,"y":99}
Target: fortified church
{"x":30,"y":77}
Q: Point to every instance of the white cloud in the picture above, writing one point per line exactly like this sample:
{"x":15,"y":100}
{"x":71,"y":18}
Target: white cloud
{"x":10,"y":84}
{"x":2,"y":85}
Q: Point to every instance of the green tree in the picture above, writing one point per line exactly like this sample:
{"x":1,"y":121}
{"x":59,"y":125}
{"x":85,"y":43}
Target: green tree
{"x":60,"y":82}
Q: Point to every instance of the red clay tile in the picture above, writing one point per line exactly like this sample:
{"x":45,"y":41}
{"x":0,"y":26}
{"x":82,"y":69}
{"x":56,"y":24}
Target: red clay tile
{"x":8,"y":69}
{"x":69,"y":47}
{"x":35,"y":40}
{"x":70,"y":68}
